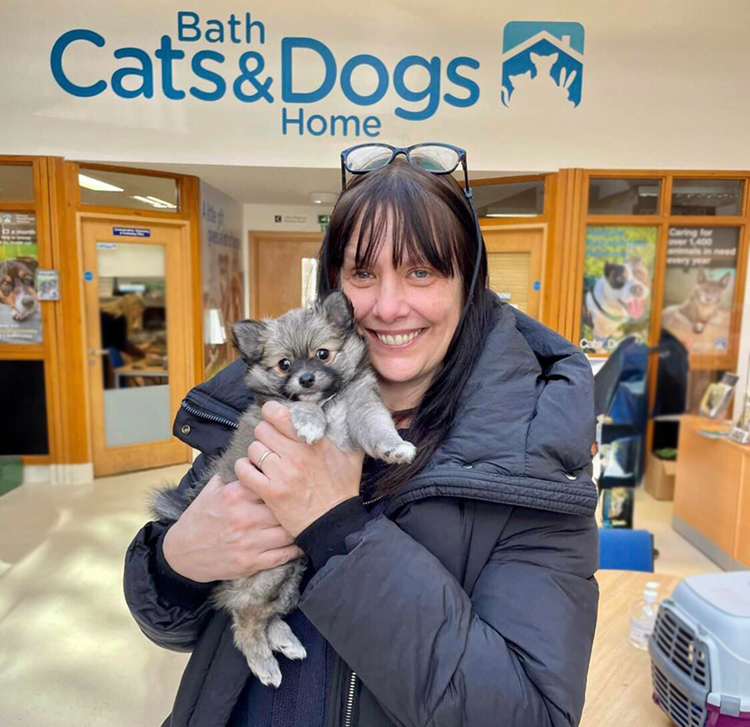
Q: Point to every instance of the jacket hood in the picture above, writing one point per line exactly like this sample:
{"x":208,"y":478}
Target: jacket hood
{"x":524,"y":428}
{"x":522,"y":433}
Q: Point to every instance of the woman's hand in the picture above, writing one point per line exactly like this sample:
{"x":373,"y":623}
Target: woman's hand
{"x":225,"y":533}
{"x":299,"y":482}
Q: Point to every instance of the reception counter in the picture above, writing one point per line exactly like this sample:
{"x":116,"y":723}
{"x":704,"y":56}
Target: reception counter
{"x":712,"y":493}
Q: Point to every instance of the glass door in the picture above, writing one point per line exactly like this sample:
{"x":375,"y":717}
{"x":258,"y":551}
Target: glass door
{"x":138,"y":323}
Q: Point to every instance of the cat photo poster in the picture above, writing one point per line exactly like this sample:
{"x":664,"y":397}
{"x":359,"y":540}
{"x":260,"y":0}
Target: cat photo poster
{"x":699,"y":287}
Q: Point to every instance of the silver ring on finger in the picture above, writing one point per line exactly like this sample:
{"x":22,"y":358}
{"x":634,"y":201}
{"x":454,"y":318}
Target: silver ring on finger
{"x":262,"y":457}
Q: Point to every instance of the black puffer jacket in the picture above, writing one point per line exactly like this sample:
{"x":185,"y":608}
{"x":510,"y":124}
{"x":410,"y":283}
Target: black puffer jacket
{"x":471,"y":601}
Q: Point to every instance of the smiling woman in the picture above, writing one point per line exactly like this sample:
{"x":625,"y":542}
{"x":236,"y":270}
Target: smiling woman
{"x":456,"y":589}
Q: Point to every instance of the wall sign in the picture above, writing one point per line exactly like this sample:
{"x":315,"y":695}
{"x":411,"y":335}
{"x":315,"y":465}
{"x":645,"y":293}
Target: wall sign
{"x":291,"y":84}
{"x":130,"y":232}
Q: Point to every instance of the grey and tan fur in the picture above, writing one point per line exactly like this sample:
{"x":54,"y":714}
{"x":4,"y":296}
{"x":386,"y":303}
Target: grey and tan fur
{"x":337,"y":398}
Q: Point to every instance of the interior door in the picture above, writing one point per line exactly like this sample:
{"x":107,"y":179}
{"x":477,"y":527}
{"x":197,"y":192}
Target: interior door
{"x":136,"y":285}
{"x":515,"y":255}
{"x":284,"y":271}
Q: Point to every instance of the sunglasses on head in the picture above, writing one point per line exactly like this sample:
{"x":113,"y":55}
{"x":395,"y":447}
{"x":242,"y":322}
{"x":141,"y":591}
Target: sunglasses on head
{"x":433,"y":157}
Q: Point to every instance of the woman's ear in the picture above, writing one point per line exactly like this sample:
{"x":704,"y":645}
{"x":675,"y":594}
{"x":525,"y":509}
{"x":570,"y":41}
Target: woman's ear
{"x":249,"y":339}
{"x":338,"y":309}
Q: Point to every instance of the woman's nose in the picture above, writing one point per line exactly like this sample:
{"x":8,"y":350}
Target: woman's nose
{"x":391,"y":302}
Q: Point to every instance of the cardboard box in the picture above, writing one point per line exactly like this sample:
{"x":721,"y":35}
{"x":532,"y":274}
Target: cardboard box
{"x":660,"y":477}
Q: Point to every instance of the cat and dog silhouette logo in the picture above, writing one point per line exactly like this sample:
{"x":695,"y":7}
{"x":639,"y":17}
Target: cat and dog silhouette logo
{"x":542,"y":64}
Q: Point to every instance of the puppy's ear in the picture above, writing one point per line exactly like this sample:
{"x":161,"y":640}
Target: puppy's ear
{"x":701,"y":276}
{"x":338,"y":309}
{"x":249,"y":339}
{"x":725,"y":280}
{"x":608,"y":268}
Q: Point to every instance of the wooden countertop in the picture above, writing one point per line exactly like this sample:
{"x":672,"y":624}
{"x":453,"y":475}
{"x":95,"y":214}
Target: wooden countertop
{"x":619,"y":683}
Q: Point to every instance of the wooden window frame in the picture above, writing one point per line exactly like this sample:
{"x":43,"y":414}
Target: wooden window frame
{"x":44,"y":351}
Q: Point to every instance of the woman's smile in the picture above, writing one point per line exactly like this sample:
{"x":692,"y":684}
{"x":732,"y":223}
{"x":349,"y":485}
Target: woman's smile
{"x":396,"y":339}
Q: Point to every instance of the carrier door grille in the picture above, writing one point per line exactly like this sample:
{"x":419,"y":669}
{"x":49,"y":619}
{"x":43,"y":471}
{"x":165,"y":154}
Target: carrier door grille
{"x":678,"y":644}
{"x":687,"y":656}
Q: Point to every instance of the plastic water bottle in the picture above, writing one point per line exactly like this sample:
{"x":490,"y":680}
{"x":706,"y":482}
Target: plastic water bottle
{"x":643,"y":616}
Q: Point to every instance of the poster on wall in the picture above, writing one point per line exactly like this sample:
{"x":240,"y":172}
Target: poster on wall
{"x":618,"y":278}
{"x":699,"y":287}
{"x":223,"y":275}
{"x":20,"y":312}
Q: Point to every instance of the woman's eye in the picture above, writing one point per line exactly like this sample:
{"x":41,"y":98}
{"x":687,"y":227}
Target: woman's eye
{"x":421,"y":274}
{"x":284,"y":365}
{"x":323,"y":354}
{"x":362,"y":274}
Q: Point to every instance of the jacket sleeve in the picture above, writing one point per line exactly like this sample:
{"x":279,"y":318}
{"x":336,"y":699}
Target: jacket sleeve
{"x":515,"y":652}
{"x":170,"y":610}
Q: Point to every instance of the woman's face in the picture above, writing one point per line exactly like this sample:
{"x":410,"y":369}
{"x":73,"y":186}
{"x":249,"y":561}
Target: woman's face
{"x":407,"y":315}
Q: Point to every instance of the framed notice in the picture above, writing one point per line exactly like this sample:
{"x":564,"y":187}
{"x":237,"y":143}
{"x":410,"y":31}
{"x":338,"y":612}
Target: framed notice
{"x":618,"y":274}
{"x":699,"y":287}
{"x":20,"y":313}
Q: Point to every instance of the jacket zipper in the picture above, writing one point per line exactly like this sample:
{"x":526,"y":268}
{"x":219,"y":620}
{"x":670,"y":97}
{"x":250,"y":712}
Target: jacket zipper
{"x":208,"y":417}
{"x":350,"y":700}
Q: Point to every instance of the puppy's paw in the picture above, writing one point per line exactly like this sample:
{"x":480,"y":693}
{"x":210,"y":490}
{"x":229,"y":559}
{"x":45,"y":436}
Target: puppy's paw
{"x":266,"y":669}
{"x":311,"y":431}
{"x":281,"y":638}
{"x":402,"y":453}
{"x":309,"y":423}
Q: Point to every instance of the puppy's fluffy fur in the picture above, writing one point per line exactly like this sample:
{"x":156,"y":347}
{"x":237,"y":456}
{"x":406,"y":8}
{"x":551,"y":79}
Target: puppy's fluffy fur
{"x":314,"y":361}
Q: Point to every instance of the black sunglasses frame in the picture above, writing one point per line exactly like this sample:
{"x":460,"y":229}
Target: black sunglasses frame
{"x":406,"y":151}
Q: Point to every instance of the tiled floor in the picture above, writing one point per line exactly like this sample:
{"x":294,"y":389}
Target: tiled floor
{"x":70,"y":654}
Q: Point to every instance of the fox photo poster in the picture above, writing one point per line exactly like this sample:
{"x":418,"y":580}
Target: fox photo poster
{"x":699,"y":287}
{"x":618,"y":274}
{"x":20,"y":314}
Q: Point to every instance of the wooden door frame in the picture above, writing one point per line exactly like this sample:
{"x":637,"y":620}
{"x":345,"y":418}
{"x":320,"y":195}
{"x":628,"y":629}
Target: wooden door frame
{"x":183,"y":228}
{"x":256,"y":236}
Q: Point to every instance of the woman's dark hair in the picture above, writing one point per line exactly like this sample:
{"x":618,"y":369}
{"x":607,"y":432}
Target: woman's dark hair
{"x":432,"y":223}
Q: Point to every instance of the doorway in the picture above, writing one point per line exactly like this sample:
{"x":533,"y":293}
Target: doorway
{"x":138,"y":340}
{"x":284,"y":270}
{"x":515,"y":257}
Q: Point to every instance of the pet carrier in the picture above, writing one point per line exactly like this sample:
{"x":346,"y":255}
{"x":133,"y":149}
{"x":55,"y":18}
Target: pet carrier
{"x":700,"y":652}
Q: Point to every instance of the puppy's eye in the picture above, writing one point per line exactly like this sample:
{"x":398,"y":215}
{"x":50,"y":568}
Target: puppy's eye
{"x":284,"y":365}
{"x":323,"y":354}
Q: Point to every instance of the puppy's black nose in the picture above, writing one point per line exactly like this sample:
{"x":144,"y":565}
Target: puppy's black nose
{"x":28,"y":303}
{"x":306,"y":380}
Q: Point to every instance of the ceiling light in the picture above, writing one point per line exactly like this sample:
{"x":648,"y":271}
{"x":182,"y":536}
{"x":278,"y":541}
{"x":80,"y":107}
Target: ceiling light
{"x":162,"y":202}
{"x":159,"y":204}
{"x":323,"y":198}
{"x":97,"y":184}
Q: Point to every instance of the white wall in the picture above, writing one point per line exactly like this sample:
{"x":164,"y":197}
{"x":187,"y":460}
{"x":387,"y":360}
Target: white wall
{"x":664,"y":84}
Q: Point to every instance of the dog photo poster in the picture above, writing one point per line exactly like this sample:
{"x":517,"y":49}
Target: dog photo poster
{"x":618,"y":277}
{"x":20,"y":314}
{"x":699,"y":287}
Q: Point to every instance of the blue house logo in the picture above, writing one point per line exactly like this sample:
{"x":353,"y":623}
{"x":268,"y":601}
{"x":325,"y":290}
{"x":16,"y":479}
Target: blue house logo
{"x":546,"y":56}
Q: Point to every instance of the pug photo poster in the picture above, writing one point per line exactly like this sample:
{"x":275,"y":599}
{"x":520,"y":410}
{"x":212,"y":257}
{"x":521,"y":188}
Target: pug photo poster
{"x":699,"y":287}
{"x":618,"y":278}
{"x":20,"y":313}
